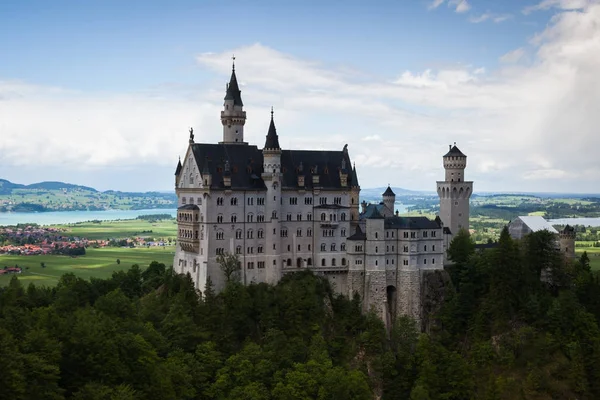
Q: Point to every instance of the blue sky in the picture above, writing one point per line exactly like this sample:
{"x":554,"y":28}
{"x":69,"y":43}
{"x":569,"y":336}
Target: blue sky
{"x":102,"y":92}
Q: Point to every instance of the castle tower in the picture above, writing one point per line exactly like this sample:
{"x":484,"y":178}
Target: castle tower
{"x":567,"y":241}
{"x":376,"y":280}
{"x":233,"y":116}
{"x":454,"y":192}
{"x":272,"y":177}
{"x":354,"y":197}
{"x":389,"y":199}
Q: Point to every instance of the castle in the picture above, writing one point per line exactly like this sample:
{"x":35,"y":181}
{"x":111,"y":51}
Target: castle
{"x":281,"y":211}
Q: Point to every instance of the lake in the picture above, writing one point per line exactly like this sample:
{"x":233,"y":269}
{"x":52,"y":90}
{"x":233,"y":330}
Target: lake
{"x":66,"y":217}
{"x":576,"y":221}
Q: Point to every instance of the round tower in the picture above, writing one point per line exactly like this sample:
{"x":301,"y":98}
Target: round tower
{"x":389,"y":199}
{"x":567,"y":241}
{"x":233,"y":116}
{"x":455,"y":192}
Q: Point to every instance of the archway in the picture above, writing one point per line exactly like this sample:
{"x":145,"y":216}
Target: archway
{"x":299,"y":262}
{"x":391,"y":300}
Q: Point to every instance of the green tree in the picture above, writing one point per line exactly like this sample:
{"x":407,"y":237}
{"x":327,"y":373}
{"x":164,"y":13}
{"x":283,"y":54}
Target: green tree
{"x":230,"y":266}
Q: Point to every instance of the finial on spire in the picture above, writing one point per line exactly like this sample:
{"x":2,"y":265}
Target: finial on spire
{"x":454,"y":143}
{"x":233,"y":62}
{"x":271,"y":112}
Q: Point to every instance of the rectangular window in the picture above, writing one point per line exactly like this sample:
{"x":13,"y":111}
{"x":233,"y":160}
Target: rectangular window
{"x":424,"y":234}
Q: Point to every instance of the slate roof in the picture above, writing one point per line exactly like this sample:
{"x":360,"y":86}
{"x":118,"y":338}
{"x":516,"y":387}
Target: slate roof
{"x":410,"y":223}
{"x":233,"y":90}
{"x":189,"y":207}
{"x":454,"y":152}
{"x":178,"y":169}
{"x":358,"y":235}
{"x":389,"y":192}
{"x":246,"y":166}
{"x":354,"y":177}
{"x":272,"y":141}
{"x":372,"y":211}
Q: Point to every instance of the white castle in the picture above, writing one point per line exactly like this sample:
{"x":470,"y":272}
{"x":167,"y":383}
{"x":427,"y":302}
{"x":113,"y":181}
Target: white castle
{"x":281,"y":211}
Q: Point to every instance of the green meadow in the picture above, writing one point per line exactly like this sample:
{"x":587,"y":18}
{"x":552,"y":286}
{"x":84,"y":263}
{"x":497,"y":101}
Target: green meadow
{"x":594,"y":255}
{"x":105,"y":230}
{"x":97,"y":263}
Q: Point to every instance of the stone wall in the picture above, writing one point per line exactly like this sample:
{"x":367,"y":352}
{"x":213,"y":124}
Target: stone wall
{"x":376,"y":291}
{"x":436,"y":285}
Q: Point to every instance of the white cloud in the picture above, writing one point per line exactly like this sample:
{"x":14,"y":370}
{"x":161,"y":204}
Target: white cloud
{"x":460,"y":6}
{"x":513,"y":56}
{"x":488,"y":16}
{"x":560,"y":4}
{"x":524,"y":126}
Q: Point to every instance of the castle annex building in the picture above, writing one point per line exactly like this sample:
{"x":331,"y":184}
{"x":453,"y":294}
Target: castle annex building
{"x":281,"y":211}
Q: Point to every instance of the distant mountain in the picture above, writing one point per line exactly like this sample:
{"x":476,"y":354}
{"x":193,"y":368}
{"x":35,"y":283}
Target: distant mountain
{"x":61,"y":196}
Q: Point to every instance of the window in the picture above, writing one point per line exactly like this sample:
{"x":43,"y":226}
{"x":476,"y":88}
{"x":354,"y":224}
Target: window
{"x":234,"y":201}
{"x":250,"y":250}
{"x":260,"y":201}
{"x":343,"y":247}
{"x":343,"y":233}
{"x":259,"y":249}
{"x":219,"y":201}
{"x":392,"y":233}
{"x":322,"y":200}
{"x":219,"y":219}
{"x":333,"y":262}
{"x":387,"y":249}
{"x":405,"y":262}
{"x":299,"y":247}
{"x":413,"y":235}
{"x":433,"y":260}
{"x":322,"y":262}
{"x":433,"y":247}
{"x":332,"y":246}
{"x":406,"y":249}
{"x":309,"y":262}
{"x":309,"y":232}
{"x":358,"y":248}
{"x":376,"y":249}
{"x":309,"y":217}
{"x":299,"y":232}
{"x":250,"y":265}
{"x":288,"y":217}
{"x":284,"y":233}
{"x":424,"y":261}
{"x":376,"y":235}
{"x":249,"y":234}
{"x":432,"y":233}
{"x":425,"y":248}
{"x":250,"y":218}
{"x":308,"y":201}
{"x":220,"y":235}
{"x":261,"y":264}
{"x":219,"y":250}
{"x":343,"y":217}
{"x":343,"y":261}
{"x":250,"y":201}
{"x":322,"y":246}
{"x":260,"y":234}
{"x":309,"y":247}
{"x":289,"y":262}
{"x":260,"y":218}
{"x":234,"y":218}
{"x":293,"y":201}
{"x":183,"y":200}
{"x":299,"y":217}
{"x":323,"y":216}
{"x":274,"y":215}
{"x":238,"y":250}
{"x":289,"y":248}
{"x":424,"y":234}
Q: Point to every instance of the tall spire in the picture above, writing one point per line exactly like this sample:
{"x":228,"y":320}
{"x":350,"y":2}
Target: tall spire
{"x":272,"y":141}
{"x":233,"y":90}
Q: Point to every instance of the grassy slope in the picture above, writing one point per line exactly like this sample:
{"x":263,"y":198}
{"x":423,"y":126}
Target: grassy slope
{"x":122,"y":229}
{"x":593,"y":254}
{"x":98,"y":263}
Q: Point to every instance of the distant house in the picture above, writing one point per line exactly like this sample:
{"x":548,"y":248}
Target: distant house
{"x":522,"y":226}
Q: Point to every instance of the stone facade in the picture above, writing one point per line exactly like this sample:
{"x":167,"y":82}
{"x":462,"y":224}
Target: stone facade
{"x":282,"y":211}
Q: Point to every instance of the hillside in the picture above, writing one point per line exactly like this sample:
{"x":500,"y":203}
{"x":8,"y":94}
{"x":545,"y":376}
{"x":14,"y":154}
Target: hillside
{"x":60,"y":196}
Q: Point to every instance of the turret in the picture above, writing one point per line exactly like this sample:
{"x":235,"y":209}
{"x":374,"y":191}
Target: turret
{"x":389,"y":199}
{"x":454,"y":192}
{"x":233,"y":116}
{"x":178,"y":172}
{"x":567,"y":241}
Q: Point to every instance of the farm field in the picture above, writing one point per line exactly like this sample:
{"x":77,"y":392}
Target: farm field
{"x":122,"y":229}
{"x":594,"y":255}
{"x":97,"y":263}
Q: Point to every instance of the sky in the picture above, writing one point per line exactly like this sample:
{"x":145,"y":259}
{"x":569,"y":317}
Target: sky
{"x":102,"y":93}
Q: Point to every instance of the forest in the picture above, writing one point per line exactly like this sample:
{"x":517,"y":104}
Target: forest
{"x":519,"y":322}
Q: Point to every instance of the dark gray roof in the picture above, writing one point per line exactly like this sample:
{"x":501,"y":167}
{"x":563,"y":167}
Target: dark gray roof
{"x":410,"y":223}
{"x":178,"y":169}
{"x":389,"y":192}
{"x":233,"y":90}
{"x":454,"y":152}
{"x":189,"y":207}
{"x":358,"y":235}
{"x":331,"y":206}
{"x":371,"y":208}
{"x":354,"y":177}
{"x":272,"y":141}
{"x":246,"y":166}
{"x":374,"y":214}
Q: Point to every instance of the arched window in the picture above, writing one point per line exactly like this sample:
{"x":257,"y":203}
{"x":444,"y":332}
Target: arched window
{"x":333,"y":262}
{"x":309,"y":262}
{"x":343,"y":217}
{"x":322,"y":262}
{"x":323,"y":216}
{"x":322,"y":246}
{"x":289,"y":262}
{"x":343,"y":247}
{"x":332,"y":246}
{"x":343,"y":261}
